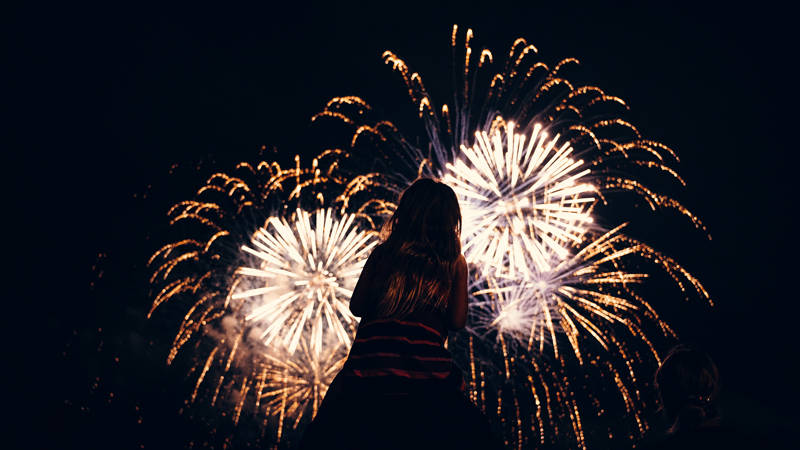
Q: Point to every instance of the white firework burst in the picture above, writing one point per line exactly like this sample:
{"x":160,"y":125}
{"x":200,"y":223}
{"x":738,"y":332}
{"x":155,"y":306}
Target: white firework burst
{"x":302,"y":278}
{"x":521,"y":201}
{"x":577,"y":293}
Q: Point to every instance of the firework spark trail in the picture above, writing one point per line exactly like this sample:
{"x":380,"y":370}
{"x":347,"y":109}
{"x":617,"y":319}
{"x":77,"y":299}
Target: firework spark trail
{"x":545,"y":271}
{"x":301,"y":379}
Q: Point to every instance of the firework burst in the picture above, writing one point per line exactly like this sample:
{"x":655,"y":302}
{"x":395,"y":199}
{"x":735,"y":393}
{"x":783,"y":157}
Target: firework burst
{"x":519,"y":199}
{"x":305,"y":274}
{"x":584,"y":290}
{"x":587,"y":302}
{"x":265,"y":288}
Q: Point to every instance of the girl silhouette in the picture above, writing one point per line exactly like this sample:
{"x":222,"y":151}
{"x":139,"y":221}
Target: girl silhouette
{"x":399,"y":387}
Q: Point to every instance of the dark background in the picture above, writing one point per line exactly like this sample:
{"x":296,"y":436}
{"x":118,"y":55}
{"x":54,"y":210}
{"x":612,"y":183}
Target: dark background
{"x":116,"y":113}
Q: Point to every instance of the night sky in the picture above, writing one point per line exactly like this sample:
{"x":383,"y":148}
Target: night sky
{"x":118,"y":113}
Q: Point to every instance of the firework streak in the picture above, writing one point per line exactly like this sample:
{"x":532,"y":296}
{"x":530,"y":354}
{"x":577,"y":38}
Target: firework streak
{"x":558,"y":328}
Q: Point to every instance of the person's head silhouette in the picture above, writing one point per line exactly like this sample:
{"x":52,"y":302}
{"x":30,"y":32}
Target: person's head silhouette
{"x":688,"y":384}
{"x":427,"y":216}
{"x":422,"y":240}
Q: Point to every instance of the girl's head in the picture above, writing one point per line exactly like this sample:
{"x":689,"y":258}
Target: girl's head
{"x":421,"y":245}
{"x":688,"y":383}
{"x":428,"y":217}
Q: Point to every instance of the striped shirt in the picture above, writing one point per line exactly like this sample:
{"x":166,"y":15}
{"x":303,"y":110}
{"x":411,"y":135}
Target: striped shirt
{"x":392,"y":350}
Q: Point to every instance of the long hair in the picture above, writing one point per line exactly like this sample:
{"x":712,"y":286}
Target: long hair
{"x":688,"y":383}
{"x":421,"y":245}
